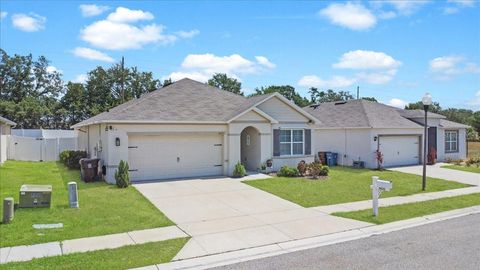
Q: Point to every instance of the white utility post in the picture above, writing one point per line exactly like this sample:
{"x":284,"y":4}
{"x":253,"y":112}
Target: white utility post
{"x":377,"y":187}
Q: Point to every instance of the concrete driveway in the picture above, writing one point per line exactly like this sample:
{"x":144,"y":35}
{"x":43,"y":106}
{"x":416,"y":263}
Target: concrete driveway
{"x":437,"y":172}
{"x":224,"y":215}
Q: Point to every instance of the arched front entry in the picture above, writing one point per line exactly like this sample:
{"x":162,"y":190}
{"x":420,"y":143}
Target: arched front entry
{"x":250,"y":148}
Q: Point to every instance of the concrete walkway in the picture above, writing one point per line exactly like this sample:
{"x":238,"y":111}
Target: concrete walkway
{"x":437,"y":172}
{"x":224,"y":214}
{"x":367,"y":204}
{"x":26,"y":253}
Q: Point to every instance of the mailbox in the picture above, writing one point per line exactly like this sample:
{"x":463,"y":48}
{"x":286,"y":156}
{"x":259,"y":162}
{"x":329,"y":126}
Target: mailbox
{"x":384,"y":185}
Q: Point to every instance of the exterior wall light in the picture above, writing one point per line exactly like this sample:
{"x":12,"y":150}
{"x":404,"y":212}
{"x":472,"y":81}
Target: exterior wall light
{"x":117,"y":141}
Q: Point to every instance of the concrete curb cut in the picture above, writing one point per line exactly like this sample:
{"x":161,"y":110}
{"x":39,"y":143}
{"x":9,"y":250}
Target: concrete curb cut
{"x":233,"y":257}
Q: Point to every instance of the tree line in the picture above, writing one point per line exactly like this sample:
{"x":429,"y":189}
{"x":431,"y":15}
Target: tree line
{"x":35,"y":96}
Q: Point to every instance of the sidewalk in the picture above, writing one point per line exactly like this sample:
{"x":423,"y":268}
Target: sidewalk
{"x":26,"y":253}
{"x":261,"y":238}
{"x":367,"y":204}
{"x":436,"y":171}
{"x":313,"y":242}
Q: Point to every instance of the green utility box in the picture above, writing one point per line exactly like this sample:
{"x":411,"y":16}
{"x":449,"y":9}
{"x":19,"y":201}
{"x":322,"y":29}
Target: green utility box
{"x":33,"y":196}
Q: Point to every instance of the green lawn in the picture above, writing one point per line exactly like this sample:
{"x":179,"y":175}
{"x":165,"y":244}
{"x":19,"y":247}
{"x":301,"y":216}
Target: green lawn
{"x":473,"y":169}
{"x":411,"y":210}
{"x":104,"y":209}
{"x":346,"y":184}
{"x":119,"y":258}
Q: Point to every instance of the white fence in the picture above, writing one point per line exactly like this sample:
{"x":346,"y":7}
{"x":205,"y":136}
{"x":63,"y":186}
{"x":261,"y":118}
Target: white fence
{"x":38,"y":149}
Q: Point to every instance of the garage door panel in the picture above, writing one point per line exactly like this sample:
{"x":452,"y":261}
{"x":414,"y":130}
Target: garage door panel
{"x":172,"y":156}
{"x":399,"y":150}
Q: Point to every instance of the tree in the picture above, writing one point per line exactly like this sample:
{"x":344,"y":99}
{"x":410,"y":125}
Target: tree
{"x":74,"y":103}
{"x":370,"y":99}
{"x":222,"y":81}
{"x":29,"y":91}
{"x":99,"y":91}
{"x":142,"y":82}
{"x":286,"y":91}
{"x":331,"y":96}
{"x":435,"y":107}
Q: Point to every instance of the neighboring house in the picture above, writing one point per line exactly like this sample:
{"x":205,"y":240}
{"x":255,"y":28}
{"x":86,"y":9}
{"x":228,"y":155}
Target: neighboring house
{"x":5,"y":129}
{"x":191,"y":129}
{"x":356,"y":129}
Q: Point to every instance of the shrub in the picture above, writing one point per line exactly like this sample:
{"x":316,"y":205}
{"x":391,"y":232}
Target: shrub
{"x":121,"y":175}
{"x":71,"y":158}
{"x":317,"y":169}
{"x":302,"y":168}
{"x":286,"y":171}
{"x":474,"y":161}
{"x":239,"y":170}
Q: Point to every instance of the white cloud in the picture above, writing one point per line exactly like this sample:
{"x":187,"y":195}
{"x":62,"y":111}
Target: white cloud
{"x":465,"y":3}
{"x":188,"y":34}
{"x":28,"y":23}
{"x":349,"y":15}
{"x":405,"y":7}
{"x":396,"y":102}
{"x":118,"y":32}
{"x":333,"y":82}
{"x":262,"y":60}
{"x":92,"y":10}
{"x":91,"y":54}
{"x":52,"y":69}
{"x":125,"y":15}
{"x":81,"y":78}
{"x":387,"y":15}
{"x":456,"y":5}
{"x":445,"y":67}
{"x":379,"y":77}
{"x":3,"y":14}
{"x":201,"y":67}
{"x":361,"y":59}
{"x":119,"y":36}
{"x":476,"y":100}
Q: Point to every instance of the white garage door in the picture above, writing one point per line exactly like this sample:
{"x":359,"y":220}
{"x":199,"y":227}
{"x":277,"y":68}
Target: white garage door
{"x":152,"y":157}
{"x":399,"y":150}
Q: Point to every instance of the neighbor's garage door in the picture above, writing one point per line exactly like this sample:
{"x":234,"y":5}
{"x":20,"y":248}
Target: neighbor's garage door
{"x":153,"y":157}
{"x":399,"y":150}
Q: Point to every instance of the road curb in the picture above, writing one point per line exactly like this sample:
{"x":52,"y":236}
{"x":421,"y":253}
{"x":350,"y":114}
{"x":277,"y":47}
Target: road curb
{"x":243,"y":255}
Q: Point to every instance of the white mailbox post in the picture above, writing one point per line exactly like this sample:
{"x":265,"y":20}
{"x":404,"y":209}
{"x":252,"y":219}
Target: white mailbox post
{"x":377,"y":187}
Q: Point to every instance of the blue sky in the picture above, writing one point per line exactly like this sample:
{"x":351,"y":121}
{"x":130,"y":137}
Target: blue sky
{"x":393,"y":50}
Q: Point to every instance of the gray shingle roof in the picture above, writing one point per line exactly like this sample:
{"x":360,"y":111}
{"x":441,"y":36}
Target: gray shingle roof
{"x":359,"y":113}
{"x":419,"y":114}
{"x":450,"y":124}
{"x":185,"y":100}
{"x":7,"y":121}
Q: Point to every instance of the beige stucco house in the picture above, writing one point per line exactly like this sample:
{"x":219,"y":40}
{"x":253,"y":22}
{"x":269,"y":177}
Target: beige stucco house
{"x":190,"y":129}
{"x":5,"y":129}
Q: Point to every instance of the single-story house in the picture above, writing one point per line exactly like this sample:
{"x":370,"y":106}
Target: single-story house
{"x":190,"y":129}
{"x":356,"y":129}
{"x":5,"y":129}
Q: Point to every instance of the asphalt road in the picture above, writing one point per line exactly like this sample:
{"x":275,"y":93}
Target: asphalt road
{"x":451,"y":244}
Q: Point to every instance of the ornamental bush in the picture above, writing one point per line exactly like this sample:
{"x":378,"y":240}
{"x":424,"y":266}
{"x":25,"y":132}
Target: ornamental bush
{"x":239,"y":170}
{"x":71,"y":158}
{"x":302,"y":168}
{"x":317,"y":169}
{"x":121,"y":175}
{"x":286,"y":171}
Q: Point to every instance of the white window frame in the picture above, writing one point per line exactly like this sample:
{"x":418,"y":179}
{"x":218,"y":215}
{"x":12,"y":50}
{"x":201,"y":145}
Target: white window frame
{"x":450,"y":142}
{"x":292,"y":142}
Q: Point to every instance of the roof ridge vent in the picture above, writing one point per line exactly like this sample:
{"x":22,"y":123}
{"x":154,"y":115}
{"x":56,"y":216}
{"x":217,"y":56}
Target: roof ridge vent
{"x":340,"y":102}
{"x":314,"y":106}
